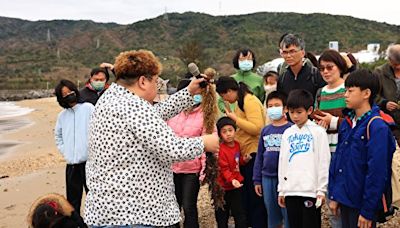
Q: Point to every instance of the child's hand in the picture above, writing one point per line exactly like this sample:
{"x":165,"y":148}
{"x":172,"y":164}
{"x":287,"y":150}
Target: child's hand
{"x":320,"y":201}
{"x":236,"y":183}
{"x":247,"y":158}
{"x":258,"y":189}
{"x":281,"y":201}
{"x":334,"y":206}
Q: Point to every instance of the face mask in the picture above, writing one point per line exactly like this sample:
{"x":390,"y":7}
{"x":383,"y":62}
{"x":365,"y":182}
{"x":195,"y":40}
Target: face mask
{"x":246,"y":65}
{"x":197,"y":99}
{"x":98,"y":85}
{"x":70,"y":98}
{"x":269,"y":88}
{"x":275,"y":113}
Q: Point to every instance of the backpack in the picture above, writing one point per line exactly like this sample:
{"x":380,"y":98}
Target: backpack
{"x":388,"y":210}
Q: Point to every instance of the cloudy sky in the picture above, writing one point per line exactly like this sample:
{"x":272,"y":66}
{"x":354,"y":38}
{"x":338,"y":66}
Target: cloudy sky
{"x":129,"y":11}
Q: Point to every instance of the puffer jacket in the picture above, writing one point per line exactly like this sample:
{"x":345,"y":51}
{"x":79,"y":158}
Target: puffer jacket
{"x":189,"y":125}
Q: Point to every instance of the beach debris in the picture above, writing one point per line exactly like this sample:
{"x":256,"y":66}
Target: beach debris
{"x":4,"y":176}
{"x":11,"y":207}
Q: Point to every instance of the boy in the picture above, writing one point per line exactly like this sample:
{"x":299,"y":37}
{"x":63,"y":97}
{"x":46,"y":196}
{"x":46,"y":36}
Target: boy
{"x":229,"y":177}
{"x":303,"y":164}
{"x":361,"y":168}
{"x":265,"y":175}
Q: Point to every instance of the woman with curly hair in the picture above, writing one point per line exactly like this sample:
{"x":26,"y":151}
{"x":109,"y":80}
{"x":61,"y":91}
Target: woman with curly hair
{"x":132,"y":148}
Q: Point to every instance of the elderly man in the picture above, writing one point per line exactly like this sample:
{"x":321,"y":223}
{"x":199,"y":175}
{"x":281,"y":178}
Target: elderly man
{"x":389,"y":77}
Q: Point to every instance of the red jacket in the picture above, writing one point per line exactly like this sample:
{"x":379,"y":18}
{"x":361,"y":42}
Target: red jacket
{"x":229,"y":160}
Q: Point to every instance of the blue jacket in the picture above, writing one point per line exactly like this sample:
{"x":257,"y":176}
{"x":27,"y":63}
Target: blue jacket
{"x":360,"y":170}
{"x":71,"y":132}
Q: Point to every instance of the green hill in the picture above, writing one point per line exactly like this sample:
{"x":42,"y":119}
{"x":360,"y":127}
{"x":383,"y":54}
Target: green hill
{"x":33,"y":53}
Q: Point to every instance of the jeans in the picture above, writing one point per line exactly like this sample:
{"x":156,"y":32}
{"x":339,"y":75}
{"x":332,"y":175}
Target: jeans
{"x":187,"y":188}
{"x":254,"y":207}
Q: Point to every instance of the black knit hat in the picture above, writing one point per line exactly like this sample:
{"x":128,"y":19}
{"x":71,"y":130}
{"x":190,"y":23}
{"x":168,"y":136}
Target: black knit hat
{"x":223,"y":121}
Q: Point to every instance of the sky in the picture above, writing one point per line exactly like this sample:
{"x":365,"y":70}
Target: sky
{"x":130,"y":11}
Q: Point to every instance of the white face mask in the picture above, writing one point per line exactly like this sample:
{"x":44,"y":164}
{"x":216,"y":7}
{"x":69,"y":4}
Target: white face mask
{"x":269,"y":88}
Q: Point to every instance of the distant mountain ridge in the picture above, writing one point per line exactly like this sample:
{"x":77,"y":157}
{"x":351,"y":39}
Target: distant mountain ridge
{"x":33,"y":53}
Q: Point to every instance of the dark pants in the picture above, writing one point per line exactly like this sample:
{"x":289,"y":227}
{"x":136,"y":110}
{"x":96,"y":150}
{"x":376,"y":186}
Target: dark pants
{"x":75,"y":177}
{"x":302,"y":212}
{"x":233,"y":204}
{"x":350,"y":216}
{"x":187,"y":188}
{"x":256,"y":213}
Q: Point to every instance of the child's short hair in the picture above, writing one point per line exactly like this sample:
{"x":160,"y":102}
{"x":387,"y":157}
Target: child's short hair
{"x":223,"y":121}
{"x":276,"y":95}
{"x":364,"y":79}
{"x":300,"y":98}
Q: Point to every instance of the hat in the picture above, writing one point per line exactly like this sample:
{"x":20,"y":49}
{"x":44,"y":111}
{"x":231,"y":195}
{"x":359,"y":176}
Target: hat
{"x":267,"y":67}
{"x":223,"y":121}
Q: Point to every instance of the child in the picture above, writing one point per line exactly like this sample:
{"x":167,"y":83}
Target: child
{"x":230,"y":178}
{"x":270,"y":82}
{"x":71,"y":134}
{"x":188,"y":174}
{"x":53,"y":210}
{"x":361,"y":168}
{"x":266,"y":165}
{"x":303,"y":164}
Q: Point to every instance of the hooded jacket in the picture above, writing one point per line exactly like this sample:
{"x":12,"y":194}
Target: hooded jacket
{"x":360,"y":170}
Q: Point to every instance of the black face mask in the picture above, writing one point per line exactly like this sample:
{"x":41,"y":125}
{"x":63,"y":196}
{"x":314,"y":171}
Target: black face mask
{"x":70,"y":98}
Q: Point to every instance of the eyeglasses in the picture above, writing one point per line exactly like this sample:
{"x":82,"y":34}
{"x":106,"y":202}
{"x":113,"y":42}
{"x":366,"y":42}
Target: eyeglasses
{"x":327,"y":67}
{"x":290,"y":52}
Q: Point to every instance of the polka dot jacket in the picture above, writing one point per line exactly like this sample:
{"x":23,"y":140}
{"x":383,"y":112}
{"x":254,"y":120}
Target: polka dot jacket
{"x":131,"y":150}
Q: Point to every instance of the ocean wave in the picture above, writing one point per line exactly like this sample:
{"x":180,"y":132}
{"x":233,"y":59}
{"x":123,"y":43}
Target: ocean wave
{"x":10,"y":110}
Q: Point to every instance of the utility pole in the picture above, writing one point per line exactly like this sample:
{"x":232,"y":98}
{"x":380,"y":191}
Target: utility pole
{"x":48,"y":35}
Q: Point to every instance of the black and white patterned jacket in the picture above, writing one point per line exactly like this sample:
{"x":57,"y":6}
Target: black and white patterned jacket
{"x":131,"y":150}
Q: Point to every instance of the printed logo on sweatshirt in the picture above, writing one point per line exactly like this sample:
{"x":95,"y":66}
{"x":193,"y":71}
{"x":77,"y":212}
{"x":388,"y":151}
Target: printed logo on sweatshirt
{"x":272,"y":142}
{"x":299,"y":143}
{"x":237,"y":158}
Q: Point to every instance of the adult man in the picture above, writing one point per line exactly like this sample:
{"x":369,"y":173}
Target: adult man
{"x":389,"y":77}
{"x":96,"y":85}
{"x":298,"y":74}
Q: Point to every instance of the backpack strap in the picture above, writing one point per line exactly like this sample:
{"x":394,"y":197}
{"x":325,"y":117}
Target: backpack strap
{"x":369,"y":123}
{"x":318,"y":98}
{"x":384,"y":203}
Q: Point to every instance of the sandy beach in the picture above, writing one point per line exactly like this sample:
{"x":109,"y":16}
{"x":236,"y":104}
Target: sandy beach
{"x":34,"y":167}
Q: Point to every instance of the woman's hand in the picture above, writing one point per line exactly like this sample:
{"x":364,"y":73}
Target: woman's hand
{"x":194,"y":86}
{"x":107,"y":65}
{"x":324,"y":119}
{"x":211,"y":143}
{"x":231,"y":115}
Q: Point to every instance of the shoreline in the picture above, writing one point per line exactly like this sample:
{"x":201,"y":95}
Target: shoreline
{"x":35,"y":146}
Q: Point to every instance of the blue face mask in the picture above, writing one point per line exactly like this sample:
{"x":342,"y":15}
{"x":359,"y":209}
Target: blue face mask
{"x":197,"y":99}
{"x":246,"y":65}
{"x":275,"y":113}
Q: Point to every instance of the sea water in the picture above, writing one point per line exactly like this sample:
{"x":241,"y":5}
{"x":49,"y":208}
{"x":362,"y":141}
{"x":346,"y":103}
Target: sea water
{"x":11,"y":119}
